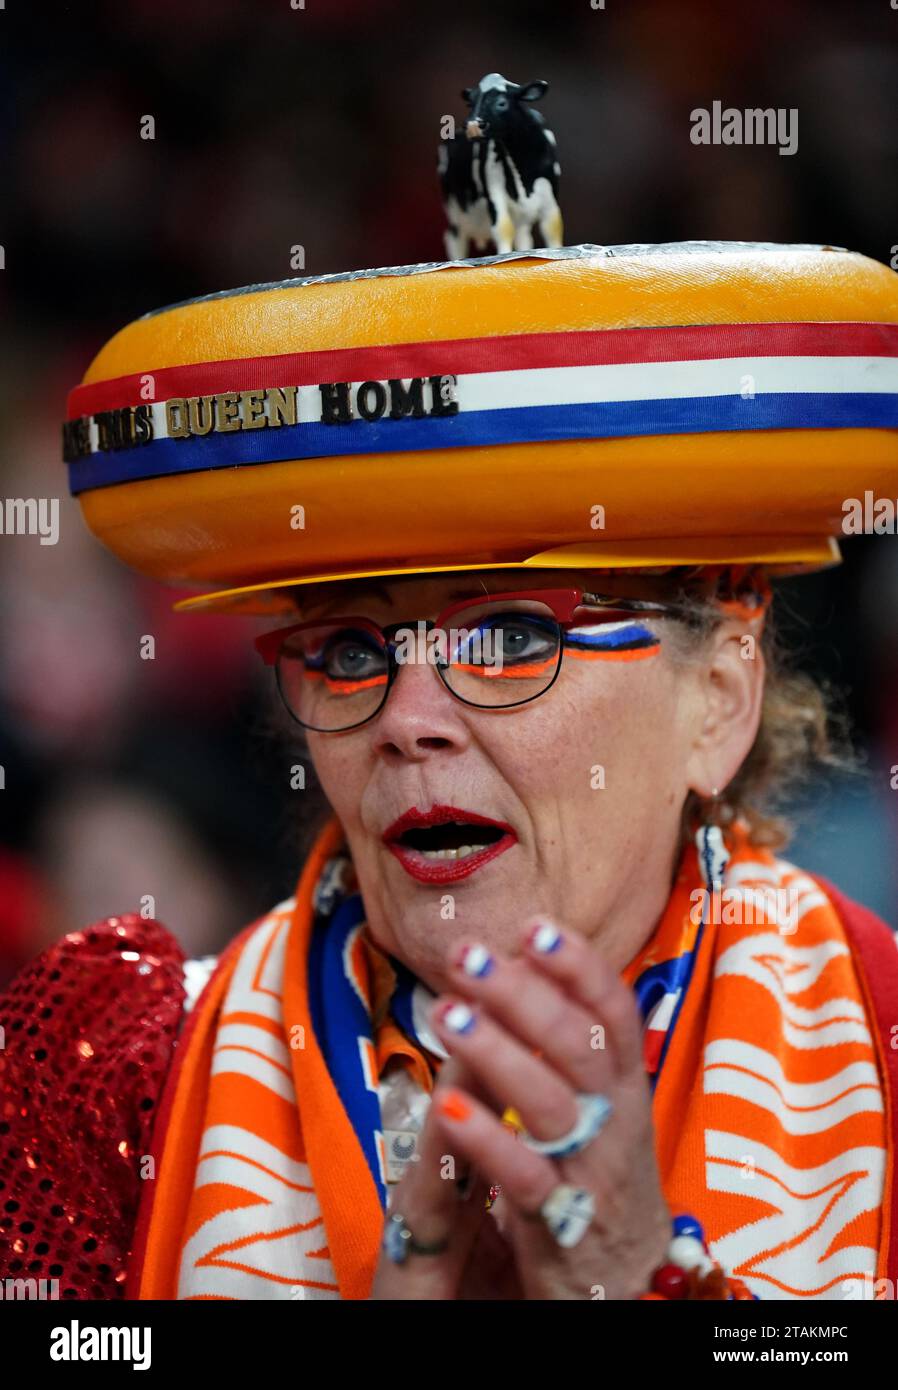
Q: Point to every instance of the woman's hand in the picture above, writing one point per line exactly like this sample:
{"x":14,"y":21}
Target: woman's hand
{"x":477,"y":1263}
{"x":567,"y":1004}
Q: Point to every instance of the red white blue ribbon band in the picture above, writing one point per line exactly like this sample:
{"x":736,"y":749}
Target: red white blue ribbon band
{"x":521,"y":388}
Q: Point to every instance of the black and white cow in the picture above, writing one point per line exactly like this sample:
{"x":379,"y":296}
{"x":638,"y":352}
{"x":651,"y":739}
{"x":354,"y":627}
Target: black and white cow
{"x":500,"y":175}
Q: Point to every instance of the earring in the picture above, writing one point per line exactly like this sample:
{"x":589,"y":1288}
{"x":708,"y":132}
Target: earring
{"x":712,"y":807}
{"x":713,"y":855}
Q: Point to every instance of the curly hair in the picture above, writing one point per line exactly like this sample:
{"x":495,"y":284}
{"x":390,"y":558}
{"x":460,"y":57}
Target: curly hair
{"x":803,"y":728}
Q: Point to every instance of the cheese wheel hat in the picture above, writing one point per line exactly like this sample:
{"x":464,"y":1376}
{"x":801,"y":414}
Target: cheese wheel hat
{"x":589,"y":407}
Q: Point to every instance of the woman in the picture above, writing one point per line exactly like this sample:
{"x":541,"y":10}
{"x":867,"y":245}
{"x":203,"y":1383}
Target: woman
{"x":546,"y":1017}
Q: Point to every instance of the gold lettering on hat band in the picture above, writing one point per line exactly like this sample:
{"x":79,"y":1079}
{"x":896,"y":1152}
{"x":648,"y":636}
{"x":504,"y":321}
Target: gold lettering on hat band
{"x":191,"y":417}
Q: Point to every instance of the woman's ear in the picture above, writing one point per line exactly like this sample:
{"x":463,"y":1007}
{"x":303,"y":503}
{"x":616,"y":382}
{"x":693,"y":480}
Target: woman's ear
{"x":730,"y":697}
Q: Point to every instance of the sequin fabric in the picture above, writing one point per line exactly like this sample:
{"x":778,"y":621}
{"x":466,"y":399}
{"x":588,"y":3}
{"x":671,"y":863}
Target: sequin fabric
{"x":89,"y":1028}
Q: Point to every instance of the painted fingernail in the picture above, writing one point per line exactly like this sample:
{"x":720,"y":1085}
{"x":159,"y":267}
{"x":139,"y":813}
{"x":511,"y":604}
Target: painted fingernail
{"x":457,"y":1017}
{"x":474,"y":960}
{"x":544,"y":938}
{"x":453,"y":1105}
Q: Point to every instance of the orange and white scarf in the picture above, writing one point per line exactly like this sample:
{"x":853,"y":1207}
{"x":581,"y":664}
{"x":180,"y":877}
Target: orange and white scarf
{"x":770,"y":1105}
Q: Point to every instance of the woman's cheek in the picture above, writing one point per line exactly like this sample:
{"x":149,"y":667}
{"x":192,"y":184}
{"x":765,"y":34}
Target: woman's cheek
{"x":340,"y":773}
{"x":622,"y":738}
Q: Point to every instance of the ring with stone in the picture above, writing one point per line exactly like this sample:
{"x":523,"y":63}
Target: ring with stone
{"x":593,"y":1114}
{"x":568,"y":1213}
{"x":399,"y":1242}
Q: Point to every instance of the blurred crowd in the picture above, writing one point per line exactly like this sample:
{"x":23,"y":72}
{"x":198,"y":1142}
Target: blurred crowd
{"x":278,"y":125}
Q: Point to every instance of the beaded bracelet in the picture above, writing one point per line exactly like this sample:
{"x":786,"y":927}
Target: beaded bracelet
{"x":690,"y":1271}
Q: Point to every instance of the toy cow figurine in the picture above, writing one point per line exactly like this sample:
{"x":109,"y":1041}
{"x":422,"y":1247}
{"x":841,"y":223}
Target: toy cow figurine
{"x":500,"y":176}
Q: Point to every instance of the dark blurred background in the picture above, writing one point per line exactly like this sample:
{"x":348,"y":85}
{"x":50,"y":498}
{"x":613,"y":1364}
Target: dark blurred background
{"x":318,"y":126}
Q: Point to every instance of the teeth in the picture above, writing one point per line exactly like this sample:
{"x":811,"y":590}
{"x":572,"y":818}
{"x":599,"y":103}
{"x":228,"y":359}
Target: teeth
{"x":461,"y":853}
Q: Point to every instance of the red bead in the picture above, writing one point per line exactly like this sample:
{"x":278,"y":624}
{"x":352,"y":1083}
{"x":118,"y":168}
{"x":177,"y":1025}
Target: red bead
{"x":671,"y":1281}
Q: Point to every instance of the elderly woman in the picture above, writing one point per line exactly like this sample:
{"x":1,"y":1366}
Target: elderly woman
{"x":546,"y":1017}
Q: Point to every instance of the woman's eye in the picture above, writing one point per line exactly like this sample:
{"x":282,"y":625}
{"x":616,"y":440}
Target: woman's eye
{"x":352,"y":658}
{"x":511,"y":638}
{"x":515,"y":639}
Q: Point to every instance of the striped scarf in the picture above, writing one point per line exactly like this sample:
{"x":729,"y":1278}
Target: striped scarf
{"x":271,"y":1173}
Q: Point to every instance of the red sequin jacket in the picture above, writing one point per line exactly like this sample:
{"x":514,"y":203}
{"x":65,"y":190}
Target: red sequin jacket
{"x":88,"y":1033}
{"x":88,"y":1028}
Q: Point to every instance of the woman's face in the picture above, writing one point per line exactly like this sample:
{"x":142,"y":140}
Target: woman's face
{"x":591,"y":778}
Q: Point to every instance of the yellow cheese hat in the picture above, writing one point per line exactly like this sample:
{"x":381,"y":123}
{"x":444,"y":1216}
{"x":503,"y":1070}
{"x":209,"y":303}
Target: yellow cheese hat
{"x":589,"y":407}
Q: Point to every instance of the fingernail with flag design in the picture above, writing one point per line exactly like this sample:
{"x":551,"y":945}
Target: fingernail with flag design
{"x":455,"y":1016}
{"x":474,"y":959}
{"x":544,"y":938}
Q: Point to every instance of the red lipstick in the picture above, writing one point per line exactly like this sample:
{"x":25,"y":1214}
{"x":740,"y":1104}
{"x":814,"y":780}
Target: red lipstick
{"x":427,"y":868}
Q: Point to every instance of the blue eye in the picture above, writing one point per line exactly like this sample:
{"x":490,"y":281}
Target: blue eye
{"x":352,"y":655}
{"x":516,"y":637}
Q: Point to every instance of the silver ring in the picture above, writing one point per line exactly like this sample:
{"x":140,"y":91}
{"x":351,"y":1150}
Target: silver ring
{"x":568,"y":1213}
{"x":398,"y":1241}
{"x":594,"y":1113}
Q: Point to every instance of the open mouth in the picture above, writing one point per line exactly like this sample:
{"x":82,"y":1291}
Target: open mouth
{"x":446,"y":843}
{"x":452,"y":840}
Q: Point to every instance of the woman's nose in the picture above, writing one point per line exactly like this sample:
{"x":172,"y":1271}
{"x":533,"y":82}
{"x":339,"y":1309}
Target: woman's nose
{"x":420,"y":715}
